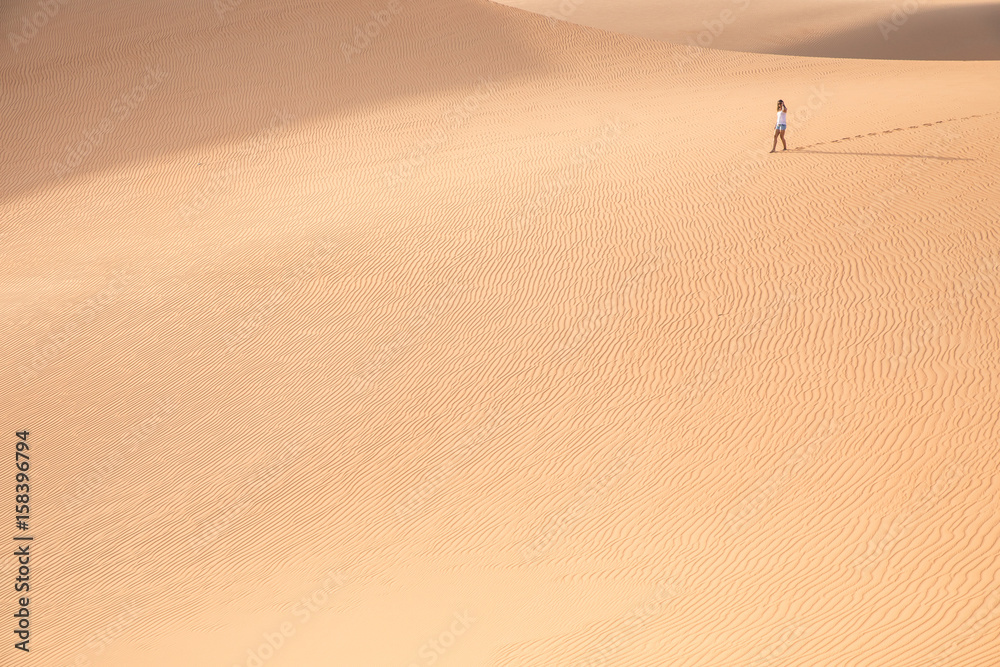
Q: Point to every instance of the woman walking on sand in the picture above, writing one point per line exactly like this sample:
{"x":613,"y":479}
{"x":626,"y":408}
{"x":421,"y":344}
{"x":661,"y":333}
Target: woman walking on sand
{"x":779,"y":129}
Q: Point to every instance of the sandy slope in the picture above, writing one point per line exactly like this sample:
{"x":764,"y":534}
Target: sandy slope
{"x":888,"y":29}
{"x":489,"y":343}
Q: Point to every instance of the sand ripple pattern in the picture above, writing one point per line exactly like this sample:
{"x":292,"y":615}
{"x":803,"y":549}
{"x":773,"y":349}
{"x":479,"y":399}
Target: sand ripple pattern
{"x":496,"y":320}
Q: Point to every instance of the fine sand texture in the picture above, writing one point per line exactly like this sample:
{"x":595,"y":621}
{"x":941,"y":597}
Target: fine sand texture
{"x":379,"y":333}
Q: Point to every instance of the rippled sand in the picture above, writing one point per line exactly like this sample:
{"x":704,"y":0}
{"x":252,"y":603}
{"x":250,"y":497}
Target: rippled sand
{"x":454,"y":335}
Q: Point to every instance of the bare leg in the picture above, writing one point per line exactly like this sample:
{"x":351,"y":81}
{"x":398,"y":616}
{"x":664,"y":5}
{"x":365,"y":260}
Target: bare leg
{"x":775,"y":144}
{"x":784,"y":146}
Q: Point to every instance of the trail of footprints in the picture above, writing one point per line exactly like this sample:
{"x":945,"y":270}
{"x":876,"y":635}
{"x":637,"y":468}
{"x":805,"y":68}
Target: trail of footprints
{"x":896,"y":129}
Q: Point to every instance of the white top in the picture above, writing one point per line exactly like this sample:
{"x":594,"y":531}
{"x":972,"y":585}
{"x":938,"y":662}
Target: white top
{"x":781,"y":118}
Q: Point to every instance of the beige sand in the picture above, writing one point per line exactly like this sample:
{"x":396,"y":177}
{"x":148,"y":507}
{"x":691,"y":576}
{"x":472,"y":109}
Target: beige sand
{"x":488,"y":342}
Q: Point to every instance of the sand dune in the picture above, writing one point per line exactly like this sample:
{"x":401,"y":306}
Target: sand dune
{"x":485,"y":342}
{"x":886,"y":29}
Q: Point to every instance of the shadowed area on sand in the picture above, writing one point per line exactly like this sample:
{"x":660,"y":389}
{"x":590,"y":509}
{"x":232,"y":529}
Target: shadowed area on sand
{"x":874,"y":29}
{"x":962,"y":32}
{"x":923,"y":157}
{"x":93,"y":91}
